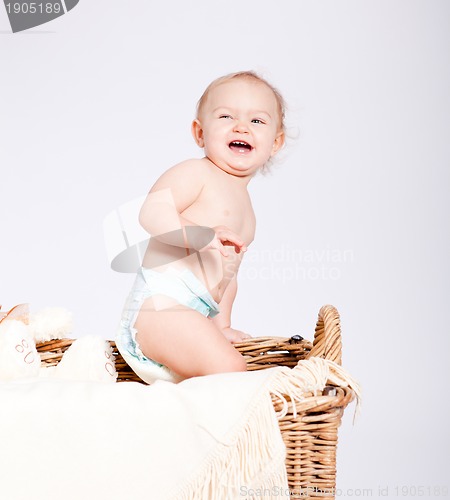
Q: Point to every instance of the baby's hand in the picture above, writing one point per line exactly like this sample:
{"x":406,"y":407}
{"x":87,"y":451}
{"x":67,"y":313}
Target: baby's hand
{"x":225,"y":237}
{"x":235,"y":336}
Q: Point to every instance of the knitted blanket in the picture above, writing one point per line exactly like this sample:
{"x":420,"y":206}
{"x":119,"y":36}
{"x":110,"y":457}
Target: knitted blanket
{"x":211,"y":438}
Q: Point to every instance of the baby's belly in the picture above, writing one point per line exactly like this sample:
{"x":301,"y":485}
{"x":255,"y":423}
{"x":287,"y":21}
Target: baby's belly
{"x":211,"y":268}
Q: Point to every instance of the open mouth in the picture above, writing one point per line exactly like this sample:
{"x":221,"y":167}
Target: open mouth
{"x":240,"y":147}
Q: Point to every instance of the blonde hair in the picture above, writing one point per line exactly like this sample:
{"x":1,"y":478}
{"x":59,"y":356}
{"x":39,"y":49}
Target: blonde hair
{"x":245,"y":75}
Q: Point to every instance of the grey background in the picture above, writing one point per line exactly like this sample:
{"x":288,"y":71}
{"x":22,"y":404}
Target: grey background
{"x":98,"y":103}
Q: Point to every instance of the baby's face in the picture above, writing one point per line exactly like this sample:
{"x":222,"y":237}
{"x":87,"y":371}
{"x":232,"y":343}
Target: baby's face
{"x":239,"y":126}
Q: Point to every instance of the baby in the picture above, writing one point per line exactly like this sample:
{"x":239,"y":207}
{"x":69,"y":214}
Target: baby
{"x":176,"y":322}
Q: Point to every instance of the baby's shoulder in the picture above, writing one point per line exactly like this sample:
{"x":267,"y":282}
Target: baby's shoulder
{"x":188,"y":175}
{"x":194,"y":166}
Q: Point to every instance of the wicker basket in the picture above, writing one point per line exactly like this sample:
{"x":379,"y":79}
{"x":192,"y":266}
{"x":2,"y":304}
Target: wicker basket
{"x":311,"y":436}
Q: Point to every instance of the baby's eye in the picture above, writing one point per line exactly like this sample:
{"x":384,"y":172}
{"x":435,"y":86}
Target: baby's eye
{"x":225,"y":116}
{"x":257,"y":120}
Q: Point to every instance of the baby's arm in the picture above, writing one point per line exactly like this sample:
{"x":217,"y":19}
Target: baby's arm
{"x":174,"y":192}
{"x":171,"y":194}
{"x":223,"y":319}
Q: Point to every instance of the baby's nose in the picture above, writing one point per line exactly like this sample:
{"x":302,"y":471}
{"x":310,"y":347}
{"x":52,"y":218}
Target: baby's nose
{"x":240,"y":126}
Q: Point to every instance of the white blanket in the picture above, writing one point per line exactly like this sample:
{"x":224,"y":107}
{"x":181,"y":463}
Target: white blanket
{"x":212,"y":437}
{"x":206,"y":438}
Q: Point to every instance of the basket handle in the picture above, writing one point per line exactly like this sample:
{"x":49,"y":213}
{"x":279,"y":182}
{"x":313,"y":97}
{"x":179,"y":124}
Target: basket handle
{"x":327,"y":337}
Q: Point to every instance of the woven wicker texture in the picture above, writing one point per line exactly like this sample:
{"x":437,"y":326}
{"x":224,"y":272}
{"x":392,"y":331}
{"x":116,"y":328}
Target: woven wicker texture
{"x":311,"y":434}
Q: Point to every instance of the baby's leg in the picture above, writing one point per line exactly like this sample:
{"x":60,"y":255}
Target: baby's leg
{"x":185,"y":341}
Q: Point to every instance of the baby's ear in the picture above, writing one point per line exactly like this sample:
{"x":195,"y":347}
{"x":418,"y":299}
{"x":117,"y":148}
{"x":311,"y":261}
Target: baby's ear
{"x":197,"y":133}
{"x":278,"y":143}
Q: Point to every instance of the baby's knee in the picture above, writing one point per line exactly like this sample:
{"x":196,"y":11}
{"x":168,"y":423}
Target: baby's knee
{"x":235,"y":364}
